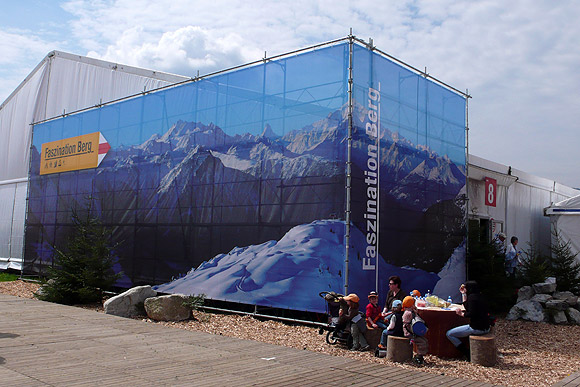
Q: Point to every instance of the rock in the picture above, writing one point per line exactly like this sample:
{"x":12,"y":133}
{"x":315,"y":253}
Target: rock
{"x":168,"y":308}
{"x":125,"y":304}
{"x":573,"y":316}
{"x":569,"y":297}
{"x":557,"y":305}
{"x":525,"y":293}
{"x":542,"y":298}
{"x":527,"y":310}
{"x":41,"y":292}
{"x":560,"y":317}
{"x":544,"y":287}
{"x":550,"y":280}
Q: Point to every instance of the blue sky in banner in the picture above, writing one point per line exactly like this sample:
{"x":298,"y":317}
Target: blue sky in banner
{"x":310,"y":86}
{"x":418,"y":110}
{"x":286,"y":94}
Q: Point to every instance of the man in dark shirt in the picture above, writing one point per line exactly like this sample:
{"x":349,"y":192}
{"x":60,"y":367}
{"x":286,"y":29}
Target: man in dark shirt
{"x":395,"y":293}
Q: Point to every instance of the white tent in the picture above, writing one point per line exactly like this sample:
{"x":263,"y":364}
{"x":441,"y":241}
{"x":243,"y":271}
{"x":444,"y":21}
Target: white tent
{"x":521,"y":200}
{"x":61,"y":83}
{"x":565,"y":218}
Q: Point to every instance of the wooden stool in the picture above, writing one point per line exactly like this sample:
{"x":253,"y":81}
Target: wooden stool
{"x":373,"y":336}
{"x":483,"y":350}
{"x":399,"y":349}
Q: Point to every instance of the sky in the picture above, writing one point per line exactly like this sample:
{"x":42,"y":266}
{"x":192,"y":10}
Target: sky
{"x":518,"y":60}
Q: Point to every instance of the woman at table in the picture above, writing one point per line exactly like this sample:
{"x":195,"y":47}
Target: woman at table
{"x":477,"y":312}
{"x":395,"y":293}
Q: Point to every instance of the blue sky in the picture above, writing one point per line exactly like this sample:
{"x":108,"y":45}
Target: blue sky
{"x":517,"y":59}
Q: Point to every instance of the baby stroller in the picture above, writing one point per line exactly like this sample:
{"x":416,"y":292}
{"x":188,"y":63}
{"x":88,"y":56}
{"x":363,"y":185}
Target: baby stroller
{"x":334,"y":333}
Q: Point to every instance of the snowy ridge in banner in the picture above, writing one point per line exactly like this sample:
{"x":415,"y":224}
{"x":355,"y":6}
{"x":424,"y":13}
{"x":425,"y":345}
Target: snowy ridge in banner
{"x":290,"y":273}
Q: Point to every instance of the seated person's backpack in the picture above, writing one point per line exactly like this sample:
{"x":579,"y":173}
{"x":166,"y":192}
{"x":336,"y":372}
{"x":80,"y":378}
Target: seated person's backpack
{"x":418,"y":326}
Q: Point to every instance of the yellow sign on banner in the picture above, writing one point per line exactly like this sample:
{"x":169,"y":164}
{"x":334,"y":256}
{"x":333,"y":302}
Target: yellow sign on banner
{"x":72,"y":154}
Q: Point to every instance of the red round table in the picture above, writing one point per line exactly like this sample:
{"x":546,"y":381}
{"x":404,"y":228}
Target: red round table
{"x":439,"y":321}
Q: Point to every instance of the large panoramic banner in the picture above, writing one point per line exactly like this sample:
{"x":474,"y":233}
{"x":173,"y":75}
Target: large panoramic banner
{"x":234,"y":186}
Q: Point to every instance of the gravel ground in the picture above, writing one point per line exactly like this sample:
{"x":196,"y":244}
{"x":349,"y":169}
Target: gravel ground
{"x":530,"y":354}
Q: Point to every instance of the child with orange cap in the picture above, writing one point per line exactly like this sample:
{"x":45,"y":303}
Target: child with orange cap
{"x":353,"y":316}
{"x":421,"y":343}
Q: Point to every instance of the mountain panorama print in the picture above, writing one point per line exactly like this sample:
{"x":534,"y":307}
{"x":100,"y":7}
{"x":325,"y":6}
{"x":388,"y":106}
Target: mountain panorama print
{"x":260,"y":219}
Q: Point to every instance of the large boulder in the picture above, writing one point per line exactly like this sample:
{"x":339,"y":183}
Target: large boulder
{"x":527,"y":310}
{"x":559,"y":317}
{"x":569,"y":297}
{"x":573,"y":316}
{"x":168,"y":308}
{"x":557,"y":305}
{"x":127,"y":304}
{"x":544,"y":287}
{"x":541,"y":298}
{"x":525,"y":293}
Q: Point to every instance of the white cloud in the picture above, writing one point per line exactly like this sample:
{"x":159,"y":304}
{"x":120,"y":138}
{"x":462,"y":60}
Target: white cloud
{"x":19,"y":45}
{"x":183,"y":51}
{"x":21,"y":51}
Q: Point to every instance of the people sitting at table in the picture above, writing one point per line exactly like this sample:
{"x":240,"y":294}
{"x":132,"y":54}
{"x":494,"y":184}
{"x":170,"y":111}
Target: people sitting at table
{"x":395,"y":293}
{"x":477,"y":312}
{"x":421,"y":344}
{"x":373,"y":312}
{"x":353,"y":317}
{"x":395,"y":327}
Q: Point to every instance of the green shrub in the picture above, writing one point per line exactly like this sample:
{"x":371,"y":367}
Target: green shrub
{"x":83,"y":269}
{"x":195,"y":301}
{"x":534,"y":267}
{"x":564,"y":265}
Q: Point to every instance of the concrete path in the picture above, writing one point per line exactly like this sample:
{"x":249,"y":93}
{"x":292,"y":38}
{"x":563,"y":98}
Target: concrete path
{"x":44,"y":344}
{"x":570,"y":381}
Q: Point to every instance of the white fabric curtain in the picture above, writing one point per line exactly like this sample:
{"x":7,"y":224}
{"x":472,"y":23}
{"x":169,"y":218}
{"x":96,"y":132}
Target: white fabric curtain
{"x":12,"y":213}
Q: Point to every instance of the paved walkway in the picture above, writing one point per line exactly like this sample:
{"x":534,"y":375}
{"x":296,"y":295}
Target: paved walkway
{"x":44,"y":344}
{"x":571,"y":381}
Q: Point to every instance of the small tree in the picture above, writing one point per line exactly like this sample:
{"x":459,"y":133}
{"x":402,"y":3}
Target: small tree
{"x":564,"y":265}
{"x":534,"y":267}
{"x":486,"y":265}
{"x":84,"y":268}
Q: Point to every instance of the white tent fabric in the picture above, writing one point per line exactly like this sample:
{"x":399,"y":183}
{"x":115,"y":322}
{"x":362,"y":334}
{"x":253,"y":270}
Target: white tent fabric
{"x":565,"y":218}
{"x":61,"y":83}
{"x":520,"y":201}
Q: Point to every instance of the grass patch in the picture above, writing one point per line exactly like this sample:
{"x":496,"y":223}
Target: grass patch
{"x":5,"y":277}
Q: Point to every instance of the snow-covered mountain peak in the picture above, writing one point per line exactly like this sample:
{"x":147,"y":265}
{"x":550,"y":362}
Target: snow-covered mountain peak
{"x":269,"y":133}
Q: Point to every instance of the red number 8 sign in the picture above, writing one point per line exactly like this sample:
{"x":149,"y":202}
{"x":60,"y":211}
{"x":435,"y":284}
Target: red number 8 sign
{"x":490,"y":191}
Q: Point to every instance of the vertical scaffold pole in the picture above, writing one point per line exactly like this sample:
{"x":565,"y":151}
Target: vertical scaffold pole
{"x":467,"y":182}
{"x":348,"y":163}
